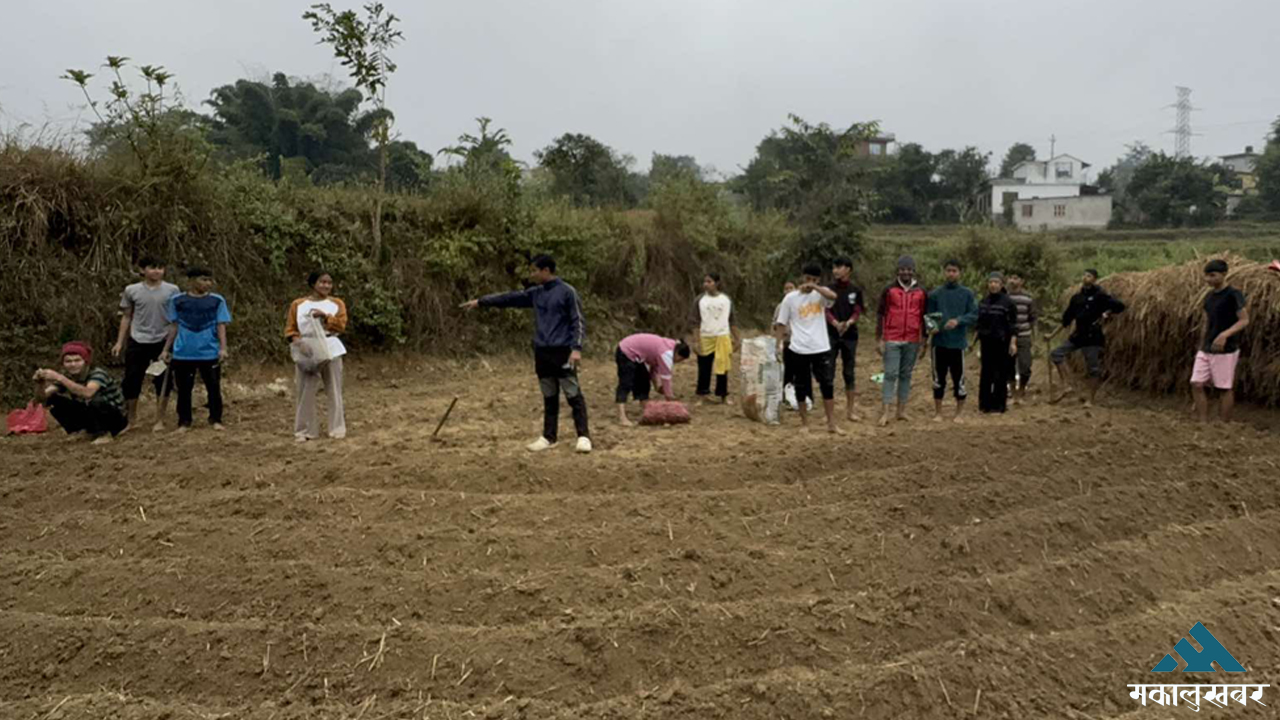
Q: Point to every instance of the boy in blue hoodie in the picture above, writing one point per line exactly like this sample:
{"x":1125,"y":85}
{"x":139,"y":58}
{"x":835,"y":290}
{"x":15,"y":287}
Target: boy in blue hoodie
{"x":959,"y":309}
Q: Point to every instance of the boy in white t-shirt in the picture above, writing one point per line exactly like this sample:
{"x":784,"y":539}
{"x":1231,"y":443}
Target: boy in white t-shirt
{"x":804,"y":312}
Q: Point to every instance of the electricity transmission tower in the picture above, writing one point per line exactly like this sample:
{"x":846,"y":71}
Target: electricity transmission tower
{"x":1182,"y":131}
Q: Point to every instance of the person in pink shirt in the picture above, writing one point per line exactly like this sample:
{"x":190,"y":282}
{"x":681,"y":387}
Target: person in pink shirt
{"x":645,"y":360}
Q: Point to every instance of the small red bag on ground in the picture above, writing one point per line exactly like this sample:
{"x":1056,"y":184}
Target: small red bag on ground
{"x":30,"y":420}
{"x":665,"y":413}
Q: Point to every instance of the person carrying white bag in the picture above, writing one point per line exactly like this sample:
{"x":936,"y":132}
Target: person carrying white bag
{"x":312,"y":326}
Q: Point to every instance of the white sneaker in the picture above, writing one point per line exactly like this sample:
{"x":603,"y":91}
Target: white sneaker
{"x":539,"y":445}
{"x":584,"y":445}
{"x":789,"y":396}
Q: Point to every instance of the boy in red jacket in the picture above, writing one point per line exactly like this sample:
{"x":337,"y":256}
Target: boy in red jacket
{"x":899,"y":329}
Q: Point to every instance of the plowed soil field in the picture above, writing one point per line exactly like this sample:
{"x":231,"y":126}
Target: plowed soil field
{"x":1029,"y":565}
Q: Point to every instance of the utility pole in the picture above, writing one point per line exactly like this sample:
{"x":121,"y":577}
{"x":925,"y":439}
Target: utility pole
{"x":1053,"y":143}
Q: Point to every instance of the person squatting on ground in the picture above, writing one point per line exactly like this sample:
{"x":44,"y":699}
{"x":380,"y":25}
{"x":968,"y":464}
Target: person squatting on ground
{"x":804,"y":312}
{"x":842,"y":329}
{"x":1088,"y":310}
{"x":1225,"y":316}
{"x":143,"y":327}
{"x":560,"y":330}
{"x":997,"y":333}
{"x":645,"y":360}
{"x":330,"y":313}
{"x":1027,"y":317}
{"x":197,"y":342}
{"x":899,"y":324}
{"x":82,"y":398}
{"x":714,"y":333}
{"x":959,"y":310}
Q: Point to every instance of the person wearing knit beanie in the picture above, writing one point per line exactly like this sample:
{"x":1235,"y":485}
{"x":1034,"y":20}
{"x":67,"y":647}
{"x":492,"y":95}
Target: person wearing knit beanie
{"x":82,"y":397}
{"x":78,"y":347}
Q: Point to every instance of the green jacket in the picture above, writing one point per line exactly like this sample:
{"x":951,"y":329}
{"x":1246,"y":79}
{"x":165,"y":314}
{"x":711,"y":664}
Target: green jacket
{"x":954,"y":301}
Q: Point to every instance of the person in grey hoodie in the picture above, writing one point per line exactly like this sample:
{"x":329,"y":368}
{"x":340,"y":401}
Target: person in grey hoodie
{"x":959,"y":309}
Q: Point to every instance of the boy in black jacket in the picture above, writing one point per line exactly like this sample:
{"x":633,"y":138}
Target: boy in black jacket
{"x":1088,"y":310}
{"x":997,"y":331}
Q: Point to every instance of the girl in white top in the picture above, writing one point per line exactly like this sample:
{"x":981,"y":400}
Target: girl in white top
{"x":318,"y":312}
{"x":715,"y":337}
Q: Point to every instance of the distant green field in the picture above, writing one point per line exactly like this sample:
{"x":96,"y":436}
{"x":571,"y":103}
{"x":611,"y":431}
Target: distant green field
{"x":1108,"y":251}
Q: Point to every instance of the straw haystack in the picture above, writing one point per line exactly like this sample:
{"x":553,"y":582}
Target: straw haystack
{"x":1152,"y":345}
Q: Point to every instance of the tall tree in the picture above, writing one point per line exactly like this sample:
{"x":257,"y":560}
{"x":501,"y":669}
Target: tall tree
{"x":1268,"y":171}
{"x":484,"y":152}
{"x":588,"y":171}
{"x":287,"y":119}
{"x":1115,"y":180}
{"x":1018,"y":152}
{"x":667,"y":167}
{"x":1176,"y":192}
{"x":961,"y":175}
{"x":905,"y":185}
{"x":362,"y":45}
{"x":818,"y":176}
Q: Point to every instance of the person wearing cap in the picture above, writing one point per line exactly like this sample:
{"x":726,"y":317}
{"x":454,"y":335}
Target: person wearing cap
{"x":82,"y":398}
{"x":1225,"y":316}
{"x":1088,"y":310}
{"x":958,"y":308}
{"x":899,"y":329}
{"x":197,"y":343}
{"x":998,"y":335}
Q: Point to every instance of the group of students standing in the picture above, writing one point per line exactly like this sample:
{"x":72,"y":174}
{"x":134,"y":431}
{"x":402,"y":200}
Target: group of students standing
{"x":172,"y":336}
{"x":817,"y":328}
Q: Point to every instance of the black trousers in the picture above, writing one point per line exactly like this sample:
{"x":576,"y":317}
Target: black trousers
{"x":706,"y":365}
{"x":844,"y":349}
{"x":184,"y":376}
{"x":948,"y":361}
{"x":633,"y":378}
{"x":555,"y":375}
{"x":993,"y":394}
{"x":95,"y":418}
{"x":137,"y":357}
{"x":788,"y":365}
{"x":809,"y":368}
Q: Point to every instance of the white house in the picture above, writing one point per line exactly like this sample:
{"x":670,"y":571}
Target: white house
{"x":1060,"y":176}
{"x":1057,"y":213}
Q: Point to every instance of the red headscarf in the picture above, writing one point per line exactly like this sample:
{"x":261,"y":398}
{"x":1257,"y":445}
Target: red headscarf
{"x":78,"y":347}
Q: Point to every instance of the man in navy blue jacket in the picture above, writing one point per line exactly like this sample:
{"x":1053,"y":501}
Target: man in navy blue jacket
{"x":557,"y":346}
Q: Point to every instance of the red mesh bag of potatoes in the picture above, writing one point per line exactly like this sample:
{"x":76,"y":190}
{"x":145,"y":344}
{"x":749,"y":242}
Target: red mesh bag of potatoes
{"x":665,"y":413}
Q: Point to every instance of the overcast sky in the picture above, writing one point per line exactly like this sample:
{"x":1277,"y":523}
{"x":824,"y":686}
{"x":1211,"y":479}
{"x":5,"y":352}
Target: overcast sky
{"x":710,"y":78}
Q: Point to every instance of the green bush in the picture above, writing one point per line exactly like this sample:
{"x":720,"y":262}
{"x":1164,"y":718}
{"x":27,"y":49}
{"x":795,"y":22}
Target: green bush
{"x":73,"y":228}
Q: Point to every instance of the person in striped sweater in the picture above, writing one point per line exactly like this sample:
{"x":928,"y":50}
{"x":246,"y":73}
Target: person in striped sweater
{"x":1027,"y":317}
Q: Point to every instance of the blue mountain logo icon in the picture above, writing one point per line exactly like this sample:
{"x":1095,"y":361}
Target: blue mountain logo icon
{"x":1199,"y":660}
